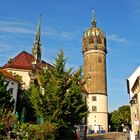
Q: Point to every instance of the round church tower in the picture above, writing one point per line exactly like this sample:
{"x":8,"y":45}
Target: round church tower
{"x":94,"y":53}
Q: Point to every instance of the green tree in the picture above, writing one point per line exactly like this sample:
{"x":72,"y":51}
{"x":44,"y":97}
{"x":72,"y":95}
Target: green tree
{"x":62,"y":102}
{"x":119,"y":117}
{"x":7,"y":119}
{"x":116,"y":120}
{"x":6,"y":100}
{"x":6,"y":105}
{"x":125,"y":113}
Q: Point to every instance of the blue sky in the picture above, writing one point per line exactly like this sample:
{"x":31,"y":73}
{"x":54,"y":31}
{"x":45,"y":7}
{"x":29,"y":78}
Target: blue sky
{"x":63,"y":23}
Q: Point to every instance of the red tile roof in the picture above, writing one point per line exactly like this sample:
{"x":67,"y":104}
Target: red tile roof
{"x":7,"y":74}
{"x":24,"y":61}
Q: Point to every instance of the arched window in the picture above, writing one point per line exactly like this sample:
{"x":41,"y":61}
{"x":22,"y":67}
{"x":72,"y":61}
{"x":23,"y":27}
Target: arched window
{"x":99,"y":40}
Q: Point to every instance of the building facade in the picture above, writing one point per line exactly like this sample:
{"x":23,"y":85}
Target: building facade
{"x":27,"y":64}
{"x":133,"y":88}
{"x":94,"y":54}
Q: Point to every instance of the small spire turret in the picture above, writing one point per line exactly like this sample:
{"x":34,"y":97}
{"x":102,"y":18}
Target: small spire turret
{"x":38,"y":33}
{"x":36,"y":50}
{"x":93,"y":18}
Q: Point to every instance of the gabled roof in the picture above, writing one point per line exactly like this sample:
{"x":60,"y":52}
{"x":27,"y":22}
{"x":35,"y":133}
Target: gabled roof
{"x":24,"y":60}
{"x":132,"y":79}
{"x":8,"y":75}
{"x":136,"y":84}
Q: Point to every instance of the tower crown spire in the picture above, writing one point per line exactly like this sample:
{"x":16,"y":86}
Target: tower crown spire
{"x":93,"y":18}
{"x":94,"y":38}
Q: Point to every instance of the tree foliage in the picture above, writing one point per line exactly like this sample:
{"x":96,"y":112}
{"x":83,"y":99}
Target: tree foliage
{"x":6,"y":100}
{"x":120,"y":116}
{"x":30,"y":131}
{"x":6,"y":105}
{"x":7,"y":119}
{"x":61,"y":102}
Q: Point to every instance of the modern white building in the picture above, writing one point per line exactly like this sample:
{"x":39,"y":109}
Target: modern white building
{"x":133,"y":87}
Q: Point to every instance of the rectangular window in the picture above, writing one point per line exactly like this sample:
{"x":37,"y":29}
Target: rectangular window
{"x":91,"y":69}
{"x":94,"y":98}
{"x":94,"y":108}
{"x":99,"y":60}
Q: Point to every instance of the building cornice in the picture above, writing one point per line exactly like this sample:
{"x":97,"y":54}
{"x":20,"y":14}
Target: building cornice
{"x":99,"y":93}
{"x":94,"y":51}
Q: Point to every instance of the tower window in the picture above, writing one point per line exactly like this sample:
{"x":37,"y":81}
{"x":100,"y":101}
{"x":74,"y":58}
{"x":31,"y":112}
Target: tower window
{"x":94,"y":108}
{"x":99,"y":59}
{"x":99,"y":40}
{"x":94,"y":98}
{"x":91,"y":40}
{"x":91,"y":69}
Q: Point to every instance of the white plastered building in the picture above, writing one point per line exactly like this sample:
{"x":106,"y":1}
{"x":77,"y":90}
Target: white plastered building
{"x":133,"y":87}
{"x":12,"y":85}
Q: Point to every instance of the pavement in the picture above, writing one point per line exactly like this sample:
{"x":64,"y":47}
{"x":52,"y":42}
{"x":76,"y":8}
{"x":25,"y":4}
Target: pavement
{"x":109,"y":136}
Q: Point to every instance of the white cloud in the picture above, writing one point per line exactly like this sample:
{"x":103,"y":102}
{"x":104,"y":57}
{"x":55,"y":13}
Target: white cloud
{"x":118,"y":39}
{"x":67,"y":35}
{"x":15,"y":27}
{"x":12,"y":29}
{"x":15,"y":22}
{"x":22,"y":27}
{"x":61,"y":34}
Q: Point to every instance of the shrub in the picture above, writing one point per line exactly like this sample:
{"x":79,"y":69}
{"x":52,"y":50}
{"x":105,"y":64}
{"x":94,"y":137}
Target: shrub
{"x":7,"y":120}
{"x":36,"y":132}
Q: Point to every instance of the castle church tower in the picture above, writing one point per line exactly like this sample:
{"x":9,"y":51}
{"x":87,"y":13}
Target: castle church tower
{"x":94,"y":54}
{"x":36,"y":50}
